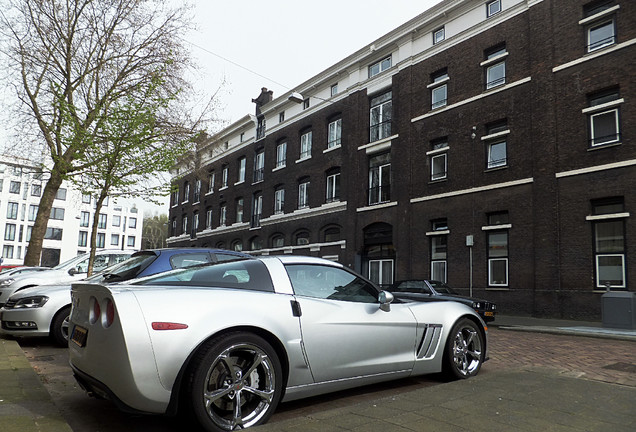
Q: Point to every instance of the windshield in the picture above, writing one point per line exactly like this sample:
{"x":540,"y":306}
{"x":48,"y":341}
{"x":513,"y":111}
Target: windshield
{"x":68,"y":263}
{"x":442,"y":288}
{"x":125,"y":270}
{"x":411,"y":286}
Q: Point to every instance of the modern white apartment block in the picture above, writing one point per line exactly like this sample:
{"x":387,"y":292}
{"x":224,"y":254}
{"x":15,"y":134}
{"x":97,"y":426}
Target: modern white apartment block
{"x":69,"y":227}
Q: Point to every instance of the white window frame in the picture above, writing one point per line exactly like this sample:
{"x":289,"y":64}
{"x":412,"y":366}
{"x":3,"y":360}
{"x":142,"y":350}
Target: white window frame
{"x":492,"y":83}
{"x":379,"y":263}
{"x":496,"y":163}
{"x":435,"y":157}
{"x":493,"y":8}
{"x":305,"y":145}
{"x":257,"y":210}
{"x":281,"y":155}
{"x":492,"y":261}
{"x":335,"y":134}
{"x":381,"y":111}
{"x":303,"y":195}
{"x":223,"y":215}
{"x":376,"y":198}
{"x":240,"y":206}
{"x":436,"y":101}
{"x":225,"y":175}
{"x":600,"y":44}
{"x":598,"y":273}
{"x":439,"y":35}
{"x":208,"y":218}
{"x":380,"y":66}
{"x":241,"y":170}
{"x":593,"y":140}
{"x":279,"y":201}
{"x":333,"y":187}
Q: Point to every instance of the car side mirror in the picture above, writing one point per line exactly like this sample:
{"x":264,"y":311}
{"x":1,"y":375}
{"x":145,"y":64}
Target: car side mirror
{"x":73,"y":271}
{"x":385,"y":298}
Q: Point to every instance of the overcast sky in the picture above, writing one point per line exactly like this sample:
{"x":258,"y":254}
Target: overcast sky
{"x":284,"y":42}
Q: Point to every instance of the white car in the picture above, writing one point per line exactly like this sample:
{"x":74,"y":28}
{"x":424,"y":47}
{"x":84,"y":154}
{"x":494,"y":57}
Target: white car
{"x":227,"y":342}
{"x":69,"y":271}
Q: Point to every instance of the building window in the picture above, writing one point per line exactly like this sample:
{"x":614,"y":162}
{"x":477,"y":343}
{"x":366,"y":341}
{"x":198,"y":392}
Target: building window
{"x":242,"y":137}
{"x":9,"y":232}
{"x":12,"y":210}
{"x":259,"y":166}
{"x":333,"y":185}
{"x":278,"y":241}
{"x":497,"y":241}
{"x":14,"y":187}
{"x":493,"y":7}
{"x":237,"y":245}
{"x":239,"y":210}
{"x":184,"y":224}
{"x":439,"y":159}
{"x":101,"y":223}
{"x":439,"y":89}
{"x":197,"y":191}
{"x":281,"y":155}
{"x":173,"y":228}
{"x":61,"y":194}
{"x":302,"y":238}
{"x":609,"y":243}
{"x":306,"y":103}
{"x":600,"y":24}
{"x":186,"y":192}
{"x":114,"y":240}
{"x":132,"y":222}
{"x":334,"y":89}
{"x":380,"y":66}
{"x":439,"y":35}
{"x":195,"y":225}
{"x":224,"y":176}
{"x":495,"y":65}
{"x":57,"y":213}
{"x":257,"y":209}
{"x":101,"y":240}
{"x":211,"y":182}
{"x":33,"y":212}
{"x":82,"y":239}
{"x":439,"y":250}
{"x":116,"y":220}
{"x":36,"y":189}
{"x":305,"y":145}
{"x":223,"y":215}
{"x":496,"y":145}
{"x":279,"y":200}
{"x":303,"y":193}
{"x":208,"y":218}
{"x":7,"y":251}
{"x":380,"y":179}
{"x":131,"y":241}
{"x":335,"y":134}
{"x":281,"y":116}
{"x":380,"y":117}
{"x":53,"y":234}
{"x":175,"y":195}
{"x":260,"y":128}
{"x":86,"y":198}
{"x":603,"y":112}
{"x":241,"y":170}
{"x":332,"y":234}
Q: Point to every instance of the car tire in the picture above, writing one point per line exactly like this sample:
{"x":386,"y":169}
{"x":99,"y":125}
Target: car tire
{"x":59,"y":326}
{"x":464,"y":351}
{"x":235,"y":381}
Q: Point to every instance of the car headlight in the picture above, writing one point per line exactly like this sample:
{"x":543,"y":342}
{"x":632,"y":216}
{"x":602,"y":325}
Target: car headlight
{"x":7,"y":282}
{"x":31,"y":302}
{"x":476,"y":305}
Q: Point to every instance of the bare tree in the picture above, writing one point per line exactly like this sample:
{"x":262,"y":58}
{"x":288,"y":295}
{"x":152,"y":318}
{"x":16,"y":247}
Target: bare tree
{"x":73,"y":60}
{"x":155,"y":231}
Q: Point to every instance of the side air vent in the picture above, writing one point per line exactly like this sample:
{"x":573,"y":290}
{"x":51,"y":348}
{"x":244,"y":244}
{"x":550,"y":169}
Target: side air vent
{"x":430,"y":341}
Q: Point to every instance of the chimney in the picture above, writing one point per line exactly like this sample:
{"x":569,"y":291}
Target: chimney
{"x":265,"y":97}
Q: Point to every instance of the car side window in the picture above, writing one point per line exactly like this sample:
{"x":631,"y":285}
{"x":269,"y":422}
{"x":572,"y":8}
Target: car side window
{"x":330,"y":283}
{"x":413,"y":286}
{"x":225,"y":257}
{"x":82,"y":266}
{"x":190,"y":259}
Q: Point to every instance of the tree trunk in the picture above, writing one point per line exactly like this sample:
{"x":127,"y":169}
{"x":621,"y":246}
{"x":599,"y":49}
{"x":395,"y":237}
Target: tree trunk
{"x":34,"y":250}
{"x":98,"y":208}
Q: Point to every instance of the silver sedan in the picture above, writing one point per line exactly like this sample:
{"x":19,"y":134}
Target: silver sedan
{"x":229,"y":341}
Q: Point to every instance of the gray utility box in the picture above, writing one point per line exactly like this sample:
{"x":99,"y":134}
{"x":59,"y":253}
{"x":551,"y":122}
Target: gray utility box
{"x":619,"y":309}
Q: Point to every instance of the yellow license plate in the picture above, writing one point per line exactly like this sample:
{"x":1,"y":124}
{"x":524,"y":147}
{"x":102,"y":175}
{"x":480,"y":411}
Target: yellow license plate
{"x":489,"y":314}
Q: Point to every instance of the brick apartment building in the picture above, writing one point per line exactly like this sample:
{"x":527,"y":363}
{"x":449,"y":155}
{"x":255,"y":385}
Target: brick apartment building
{"x":489,"y":144}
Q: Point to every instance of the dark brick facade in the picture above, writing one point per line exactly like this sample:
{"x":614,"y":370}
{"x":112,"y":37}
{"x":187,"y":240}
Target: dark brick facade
{"x":551,"y":176}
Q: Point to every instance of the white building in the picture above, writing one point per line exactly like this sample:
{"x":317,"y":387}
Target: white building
{"x":69,"y":227}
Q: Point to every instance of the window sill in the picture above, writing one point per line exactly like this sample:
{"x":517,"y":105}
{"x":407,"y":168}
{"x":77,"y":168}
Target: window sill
{"x":440,"y":180}
{"x":239,"y":182}
{"x":223,"y":188}
{"x":377,"y":206}
{"x":330,"y":149}
{"x":599,"y":15}
{"x":278,"y":168}
{"x":303,"y":159}
{"x":496,"y":288}
{"x":209,"y":193}
{"x":604,"y":146}
{"x":497,"y":168}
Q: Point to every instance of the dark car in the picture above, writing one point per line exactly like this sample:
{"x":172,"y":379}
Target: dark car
{"x":430,"y":290}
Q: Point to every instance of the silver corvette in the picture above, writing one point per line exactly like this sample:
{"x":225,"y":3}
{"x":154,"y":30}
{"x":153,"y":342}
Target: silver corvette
{"x":227,"y":342}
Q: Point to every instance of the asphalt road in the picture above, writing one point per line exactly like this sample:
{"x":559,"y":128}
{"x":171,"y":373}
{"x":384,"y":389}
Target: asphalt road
{"x":583,"y":357}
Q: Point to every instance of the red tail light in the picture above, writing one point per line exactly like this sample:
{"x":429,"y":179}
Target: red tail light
{"x":110,"y":313}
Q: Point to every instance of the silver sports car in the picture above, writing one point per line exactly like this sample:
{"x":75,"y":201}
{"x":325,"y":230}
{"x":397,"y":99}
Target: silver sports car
{"x":227,"y":342}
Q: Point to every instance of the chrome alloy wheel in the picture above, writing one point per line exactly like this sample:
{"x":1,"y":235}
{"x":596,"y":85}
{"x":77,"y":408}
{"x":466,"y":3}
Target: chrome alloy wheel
{"x":467,"y":349}
{"x":239,"y":386}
